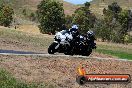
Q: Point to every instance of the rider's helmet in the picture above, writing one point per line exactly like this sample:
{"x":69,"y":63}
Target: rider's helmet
{"x":74,"y":28}
{"x":90,"y":33}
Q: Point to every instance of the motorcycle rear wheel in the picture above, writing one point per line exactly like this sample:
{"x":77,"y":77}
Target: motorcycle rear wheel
{"x":87,"y":53}
{"x":67,"y":51}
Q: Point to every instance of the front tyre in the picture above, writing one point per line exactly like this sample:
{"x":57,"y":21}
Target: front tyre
{"x":51,"y":49}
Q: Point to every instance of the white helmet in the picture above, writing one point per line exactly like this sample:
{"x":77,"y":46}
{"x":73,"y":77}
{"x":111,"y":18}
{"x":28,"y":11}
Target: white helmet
{"x":75,"y":26}
{"x":90,"y":33}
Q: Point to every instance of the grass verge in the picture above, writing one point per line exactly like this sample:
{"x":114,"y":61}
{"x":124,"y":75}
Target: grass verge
{"x":113,"y":49}
{"x":8,"y":81}
{"x":120,"y":54}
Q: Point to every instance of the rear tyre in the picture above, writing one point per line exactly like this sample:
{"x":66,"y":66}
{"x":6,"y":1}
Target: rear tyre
{"x":70,"y":52}
{"x":67,"y":53}
{"x":51,"y":49}
{"x":87,"y":53}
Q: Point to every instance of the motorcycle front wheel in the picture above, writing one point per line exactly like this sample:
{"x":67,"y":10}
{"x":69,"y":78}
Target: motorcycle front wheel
{"x":51,"y":49}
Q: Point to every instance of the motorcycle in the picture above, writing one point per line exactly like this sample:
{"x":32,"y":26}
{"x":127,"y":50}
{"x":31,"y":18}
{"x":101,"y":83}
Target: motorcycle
{"x":61,"y":43}
{"x":83,"y":45}
{"x":72,"y":44}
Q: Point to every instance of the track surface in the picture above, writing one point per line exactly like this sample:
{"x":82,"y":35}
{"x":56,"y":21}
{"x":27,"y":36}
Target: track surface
{"x":16,"y":52}
{"x":13,"y":52}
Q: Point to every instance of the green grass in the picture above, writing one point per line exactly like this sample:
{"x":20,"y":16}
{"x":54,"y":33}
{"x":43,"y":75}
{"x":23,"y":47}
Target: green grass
{"x":8,"y":81}
{"x":115,"y":47}
{"x":120,"y":54}
{"x":120,"y":51}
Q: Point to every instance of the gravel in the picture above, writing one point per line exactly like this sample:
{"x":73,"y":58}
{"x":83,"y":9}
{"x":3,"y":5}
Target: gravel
{"x":62,"y":71}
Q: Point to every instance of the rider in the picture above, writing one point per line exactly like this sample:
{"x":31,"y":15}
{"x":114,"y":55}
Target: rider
{"x":72,"y":34}
{"x":91,"y":37}
{"x":74,"y":30}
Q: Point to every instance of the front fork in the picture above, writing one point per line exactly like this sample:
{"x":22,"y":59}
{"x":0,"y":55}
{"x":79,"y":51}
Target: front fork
{"x":58,"y":44}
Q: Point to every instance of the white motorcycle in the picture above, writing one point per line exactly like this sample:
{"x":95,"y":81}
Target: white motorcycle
{"x":61,"y":43}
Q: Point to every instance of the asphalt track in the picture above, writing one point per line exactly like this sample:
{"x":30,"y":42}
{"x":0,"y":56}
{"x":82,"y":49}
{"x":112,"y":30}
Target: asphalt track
{"x":16,"y":52}
{"x":24,"y":53}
